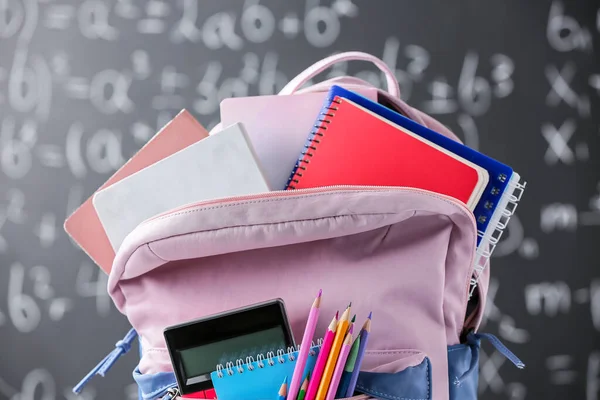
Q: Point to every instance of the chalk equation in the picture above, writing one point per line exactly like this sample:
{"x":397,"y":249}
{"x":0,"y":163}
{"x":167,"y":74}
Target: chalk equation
{"x":31,"y":298}
{"x":182,"y":22}
{"x":25,"y":310}
{"x":562,"y":372}
{"x":551,"y":299}
{"x":39,"y":384}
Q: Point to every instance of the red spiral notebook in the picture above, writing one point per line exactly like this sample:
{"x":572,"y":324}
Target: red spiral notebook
{"x":354,"y":146}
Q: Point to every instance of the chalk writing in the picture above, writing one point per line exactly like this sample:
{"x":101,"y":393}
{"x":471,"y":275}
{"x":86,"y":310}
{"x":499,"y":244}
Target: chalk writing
{"x":85,"y":84}
{"x":554,"y":298}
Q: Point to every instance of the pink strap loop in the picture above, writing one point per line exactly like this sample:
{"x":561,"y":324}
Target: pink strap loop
{"x":320,"y":66}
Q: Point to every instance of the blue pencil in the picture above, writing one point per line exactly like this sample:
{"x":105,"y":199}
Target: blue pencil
{"x":282,"y":394}
{"x":364,"y":336}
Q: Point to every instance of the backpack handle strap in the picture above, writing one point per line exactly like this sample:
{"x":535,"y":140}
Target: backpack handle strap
{"x":295,"y":84}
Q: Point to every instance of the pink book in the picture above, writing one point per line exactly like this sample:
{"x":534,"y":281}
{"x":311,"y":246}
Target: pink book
{"x":84,"y":226}
{"x":278,"y":126}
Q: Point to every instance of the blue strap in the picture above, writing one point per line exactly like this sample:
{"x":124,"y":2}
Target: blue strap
{"x":473,"y":341}
{"x":121,"y":347}
{"x":498,"y":345}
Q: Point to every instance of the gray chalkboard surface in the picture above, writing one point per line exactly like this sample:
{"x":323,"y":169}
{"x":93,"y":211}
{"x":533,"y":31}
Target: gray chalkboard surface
{"x":84,"y":84}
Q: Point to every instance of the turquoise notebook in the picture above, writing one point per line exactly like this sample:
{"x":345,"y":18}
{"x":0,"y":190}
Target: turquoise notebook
{"x":260,"y":378}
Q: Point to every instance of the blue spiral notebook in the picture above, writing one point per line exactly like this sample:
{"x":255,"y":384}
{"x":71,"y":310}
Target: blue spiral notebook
{"x":500,"y":196}
{"x":260,"y":378}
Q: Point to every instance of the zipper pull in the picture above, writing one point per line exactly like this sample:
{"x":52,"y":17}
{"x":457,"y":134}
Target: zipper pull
{"x":501,"y":348}
{"x":172,"y":393}
{"x":121,"y":347}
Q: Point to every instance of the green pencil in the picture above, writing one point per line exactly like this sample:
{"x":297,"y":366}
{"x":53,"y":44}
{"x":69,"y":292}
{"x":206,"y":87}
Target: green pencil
{"x":303,"y":388}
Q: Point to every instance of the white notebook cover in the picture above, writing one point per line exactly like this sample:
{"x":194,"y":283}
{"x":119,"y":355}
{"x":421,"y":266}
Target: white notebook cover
{"x":218,"y":166}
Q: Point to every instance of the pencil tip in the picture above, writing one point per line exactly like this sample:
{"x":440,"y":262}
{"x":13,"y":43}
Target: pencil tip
{"x":285,"y":380}
{"x":370,"y":314}
{"x":350,"y":305}
{"x":353,"y":318}
{"x":337,"y":315}
{"x":320,"y":292}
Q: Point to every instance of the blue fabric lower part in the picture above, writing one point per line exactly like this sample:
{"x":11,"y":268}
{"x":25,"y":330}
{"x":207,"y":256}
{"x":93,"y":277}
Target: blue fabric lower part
{"x":153,"y":386}
{"x":463,"y":370}
{"x":140,"y":394}
{"x":413,"y":383}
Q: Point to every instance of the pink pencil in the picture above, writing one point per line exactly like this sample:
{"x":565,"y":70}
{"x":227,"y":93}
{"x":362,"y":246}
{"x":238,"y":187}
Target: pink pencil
{"x":315,"y":379}
{"x":339,"y":365}
{"x":309,"y":332}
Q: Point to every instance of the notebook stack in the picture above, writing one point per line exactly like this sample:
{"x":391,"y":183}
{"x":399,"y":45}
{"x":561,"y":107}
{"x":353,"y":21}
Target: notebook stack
{"x":357,"y":141}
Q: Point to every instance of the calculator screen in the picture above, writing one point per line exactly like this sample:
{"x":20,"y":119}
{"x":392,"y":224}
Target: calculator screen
{"x":204,"y":359}
{"x":197,"y":347}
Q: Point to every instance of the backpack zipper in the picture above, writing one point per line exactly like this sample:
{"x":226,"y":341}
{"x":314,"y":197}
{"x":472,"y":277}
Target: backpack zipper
{"x":171,"y":393}
{"x":331,"y":189}
{"x":321,"y":189}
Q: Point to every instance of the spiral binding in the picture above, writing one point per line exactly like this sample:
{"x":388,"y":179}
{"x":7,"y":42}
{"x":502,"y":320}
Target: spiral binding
{"x":505,"y":210}
{"x":314,"y":139}
{"x":262,"y":361}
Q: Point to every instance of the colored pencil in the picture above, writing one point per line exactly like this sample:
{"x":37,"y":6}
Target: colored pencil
{"x":364,"y":338}
{"x":282,"y":394}
{"x":309,"y":332}
{"x":339,"y":366}
{"x":317,"y":372}
{"x":348,"y":369}
{"x":351,"y":325}
{"x":302,"y":394}
{"x":333,"y":355}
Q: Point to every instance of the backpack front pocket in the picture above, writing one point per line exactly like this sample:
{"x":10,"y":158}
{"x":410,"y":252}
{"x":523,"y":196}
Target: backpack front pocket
{"x":402,"y":253}
{"x":396,"y":374}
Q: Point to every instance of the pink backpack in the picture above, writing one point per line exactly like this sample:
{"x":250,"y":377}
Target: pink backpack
{"x":408,"y":255}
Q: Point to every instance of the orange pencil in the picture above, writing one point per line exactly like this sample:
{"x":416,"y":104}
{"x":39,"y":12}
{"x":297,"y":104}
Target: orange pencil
{"x":339,"y":367}
{"x":340,"y":334}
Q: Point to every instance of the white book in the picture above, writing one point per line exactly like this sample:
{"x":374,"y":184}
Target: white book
{"x":218,"y":166}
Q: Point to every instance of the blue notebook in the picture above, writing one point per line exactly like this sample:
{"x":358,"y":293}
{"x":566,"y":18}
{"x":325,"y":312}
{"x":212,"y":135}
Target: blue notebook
{"x":260,"y":378}
{"x":503,"y":181}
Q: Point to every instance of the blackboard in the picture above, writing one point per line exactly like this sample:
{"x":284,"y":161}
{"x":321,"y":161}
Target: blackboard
{"x":84,"y":84}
